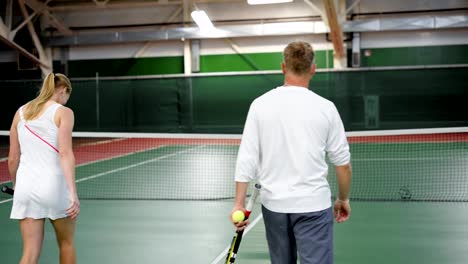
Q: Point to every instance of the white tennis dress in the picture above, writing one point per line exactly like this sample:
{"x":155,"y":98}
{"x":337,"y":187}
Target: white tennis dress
{"x":40,"y":190}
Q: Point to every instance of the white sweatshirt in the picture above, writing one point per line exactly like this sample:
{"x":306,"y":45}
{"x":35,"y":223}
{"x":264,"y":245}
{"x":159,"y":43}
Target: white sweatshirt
{"x":287,"y":133}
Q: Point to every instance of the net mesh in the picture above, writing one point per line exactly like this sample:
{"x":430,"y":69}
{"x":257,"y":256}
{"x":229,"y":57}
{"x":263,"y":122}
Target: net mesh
{"x":412,"y":165}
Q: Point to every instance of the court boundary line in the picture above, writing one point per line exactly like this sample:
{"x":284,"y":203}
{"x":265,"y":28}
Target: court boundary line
{"x":120,"y":156}
{"x":106,"y":159}
{"x":138,"y":164}
{"x":7,"y":200}
{"x":110,"y":158}
{"x":223,"y":253}
{"x":127,"y":167}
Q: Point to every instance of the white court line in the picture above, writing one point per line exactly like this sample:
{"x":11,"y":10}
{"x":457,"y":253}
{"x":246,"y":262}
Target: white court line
{"x":137,"y":164}
{"x":105,"y":159}
{"x":120,"y":156}
{"x":128,"y":167}
{"x":113,"y":157}
{"x":7,"y":200}
{"x":101,"y":142}
{"x":223,"y":253}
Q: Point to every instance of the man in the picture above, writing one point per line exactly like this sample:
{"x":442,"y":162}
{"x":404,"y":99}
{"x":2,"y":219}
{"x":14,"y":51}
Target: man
{"x":286,"y":136}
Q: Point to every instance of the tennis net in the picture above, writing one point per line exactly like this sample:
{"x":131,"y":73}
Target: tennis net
{"x":395,"y":165}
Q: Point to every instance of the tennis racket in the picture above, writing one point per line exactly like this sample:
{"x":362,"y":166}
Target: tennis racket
{"x":232,"y":253}
{"x":8,"y":190}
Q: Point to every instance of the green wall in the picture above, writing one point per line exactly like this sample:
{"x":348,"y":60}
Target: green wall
{"x":126,"y":67}
{"x":406,"y":98}
{"x":219,"y":104}
{"x":256,"y":61}
{"x":455,"y":54}
{"x":175,"y":65}
{"x":431,"y":55}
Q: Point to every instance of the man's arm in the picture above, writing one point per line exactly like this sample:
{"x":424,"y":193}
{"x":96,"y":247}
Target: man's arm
{"x":342,"y":208}
{"x":241,"y":192}
{"x":338,"y":152}
{"x":247,"y":162}
{"x":343,"y":178}
{"x":249,"y":149}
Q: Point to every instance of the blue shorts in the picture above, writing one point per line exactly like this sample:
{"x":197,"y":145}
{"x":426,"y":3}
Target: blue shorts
{"x":309,"y":234}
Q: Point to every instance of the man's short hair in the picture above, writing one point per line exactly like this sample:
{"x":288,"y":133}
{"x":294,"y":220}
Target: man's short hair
{"x":298,"y":57}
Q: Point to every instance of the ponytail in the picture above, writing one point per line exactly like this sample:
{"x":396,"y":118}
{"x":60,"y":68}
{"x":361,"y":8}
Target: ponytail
{"x":47,"y":91}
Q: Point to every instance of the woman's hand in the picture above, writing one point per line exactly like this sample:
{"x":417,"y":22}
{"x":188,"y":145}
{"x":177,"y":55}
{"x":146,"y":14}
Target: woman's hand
{"x":74,"y":208}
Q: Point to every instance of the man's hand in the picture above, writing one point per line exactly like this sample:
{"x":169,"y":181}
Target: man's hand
{"x":342,"y":210}
{"x":240,"y":225}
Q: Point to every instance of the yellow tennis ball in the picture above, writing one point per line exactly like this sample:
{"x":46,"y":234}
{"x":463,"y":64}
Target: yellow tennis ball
{"x":238,"y":216}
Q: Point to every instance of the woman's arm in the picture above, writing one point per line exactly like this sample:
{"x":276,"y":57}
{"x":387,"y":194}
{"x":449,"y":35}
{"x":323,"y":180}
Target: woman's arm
{"x":65,"y":121}
{"x":15,"y":153}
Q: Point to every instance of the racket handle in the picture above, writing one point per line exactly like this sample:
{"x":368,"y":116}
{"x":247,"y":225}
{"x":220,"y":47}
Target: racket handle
{"x":8,"y":190}
{"x":252,"y":199}
{"x":232,"y":254}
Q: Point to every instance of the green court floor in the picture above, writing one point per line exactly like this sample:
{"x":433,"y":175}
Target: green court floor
{"x":198,"y":232}
{"x":388,"y":233}
{"x":173,"y":203}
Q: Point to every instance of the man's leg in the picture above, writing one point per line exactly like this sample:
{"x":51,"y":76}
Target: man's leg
{"x":280,"y":237}
{"x":314,"y":236}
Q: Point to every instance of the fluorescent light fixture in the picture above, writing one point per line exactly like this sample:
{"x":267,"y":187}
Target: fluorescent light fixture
{"x":202,"y":20}
{"x":263,"y":2}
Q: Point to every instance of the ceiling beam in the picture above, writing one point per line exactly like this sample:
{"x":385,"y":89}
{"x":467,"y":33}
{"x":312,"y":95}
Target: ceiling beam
{"x":352,"y":6}
{"x":7,"y":35}
{"x":336,"y":33}
{"x":9,"y":14}
{"x":174,"y":15}
{"x":4,"y":30}
{"x":319,"y":9}
{"x":186,"y":9}
{"x":45,"y":61}
{"x":20,"y":26}
{"x":128,"y":4}
{"x":23,"y":52}
{"x":242,"y":54}
{"x":42,"y":8}
{"x":261,"y":30}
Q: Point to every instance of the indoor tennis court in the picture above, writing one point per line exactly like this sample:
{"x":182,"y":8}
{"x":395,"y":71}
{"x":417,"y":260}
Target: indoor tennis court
{"x":159,"y":199}
{"x":160,"y":99}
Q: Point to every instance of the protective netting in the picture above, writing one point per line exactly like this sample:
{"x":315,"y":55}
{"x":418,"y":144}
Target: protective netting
{"x":417,"y":165}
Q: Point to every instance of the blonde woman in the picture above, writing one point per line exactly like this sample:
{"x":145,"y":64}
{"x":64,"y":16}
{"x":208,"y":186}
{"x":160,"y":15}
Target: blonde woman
{"x":42,"y":167}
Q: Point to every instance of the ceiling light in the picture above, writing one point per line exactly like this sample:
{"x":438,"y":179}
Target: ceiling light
{"x":262,"y":2}
{"x":202,"y":20}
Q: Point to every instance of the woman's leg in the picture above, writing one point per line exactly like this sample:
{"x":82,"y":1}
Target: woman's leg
{"x":32,"y":232}
{"x":65,"y":232}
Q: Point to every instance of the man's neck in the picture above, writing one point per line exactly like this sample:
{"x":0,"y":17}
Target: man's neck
{"x":293,"y":80}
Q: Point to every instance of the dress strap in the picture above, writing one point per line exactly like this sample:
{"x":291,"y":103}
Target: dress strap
{"x":53,"y":109}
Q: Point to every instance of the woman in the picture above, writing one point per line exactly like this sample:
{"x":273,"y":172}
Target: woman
{"x":42,"y":167}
